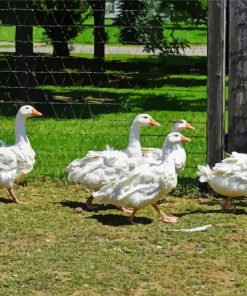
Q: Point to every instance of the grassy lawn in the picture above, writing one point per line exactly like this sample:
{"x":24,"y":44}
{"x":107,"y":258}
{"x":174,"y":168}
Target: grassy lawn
{"x":48,"y":249}
{"x":194,"y":34}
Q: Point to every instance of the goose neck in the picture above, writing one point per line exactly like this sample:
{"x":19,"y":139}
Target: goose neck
{"x":174,"y":129}
{"x":134,"y":146}
{"x":167,"y":153}
{"x":178,"y":147}
{"x":20,"y":133}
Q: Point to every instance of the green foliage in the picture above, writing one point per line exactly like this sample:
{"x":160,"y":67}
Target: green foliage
{"x":62,"y":21}
{"x":192,"y":11}
{"x":127,"y":21}
{"x":142,"y":22}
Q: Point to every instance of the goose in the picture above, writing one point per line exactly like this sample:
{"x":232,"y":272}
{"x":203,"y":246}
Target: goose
{"x":100,"y":167}
{"x":146,"y":184}
{"x":17,"y":160}
{"x":178,"y":152}
{"x":227,"y":178}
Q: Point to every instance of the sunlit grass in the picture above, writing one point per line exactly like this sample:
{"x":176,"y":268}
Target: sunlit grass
{"x":48,"y":249}
{"x":194,"y":34}
{"x":57,"y":142}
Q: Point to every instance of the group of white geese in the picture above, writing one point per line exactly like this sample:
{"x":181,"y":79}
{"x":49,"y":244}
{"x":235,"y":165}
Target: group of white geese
{"x":131,"y":178}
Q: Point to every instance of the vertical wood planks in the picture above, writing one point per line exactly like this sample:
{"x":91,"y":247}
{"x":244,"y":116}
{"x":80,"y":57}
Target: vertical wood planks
{"x":216,"y":81}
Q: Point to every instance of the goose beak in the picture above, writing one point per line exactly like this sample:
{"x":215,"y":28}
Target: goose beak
{"x":185,"y":139}
{"x":189,"y":126}
{"x":153,"y":122}
{"x":36,"y":113}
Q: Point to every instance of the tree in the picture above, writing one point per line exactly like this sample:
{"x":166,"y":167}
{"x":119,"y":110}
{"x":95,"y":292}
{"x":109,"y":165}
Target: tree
{"x":62,"y":21}
{"x":98,"y":8}
{"x":19,"y":13}
{"x":144,"y":24}
{"x":130,"y":10}
{"x":24,"y":28}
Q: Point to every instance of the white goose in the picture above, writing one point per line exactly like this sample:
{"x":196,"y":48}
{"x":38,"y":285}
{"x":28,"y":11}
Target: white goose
{"x":100,"y":167}
{"x":178,"y":152}
{"x":17,"y":160}
{"x":145,"y":185}
{"x":228,"y":178}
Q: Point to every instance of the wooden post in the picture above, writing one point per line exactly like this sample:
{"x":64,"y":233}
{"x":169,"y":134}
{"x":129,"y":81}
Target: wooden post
{"x":237,"y":134}
{"x":216,"y":81}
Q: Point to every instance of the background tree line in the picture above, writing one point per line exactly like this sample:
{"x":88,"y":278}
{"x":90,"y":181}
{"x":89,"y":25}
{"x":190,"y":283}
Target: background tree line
{"x":140,"y":22}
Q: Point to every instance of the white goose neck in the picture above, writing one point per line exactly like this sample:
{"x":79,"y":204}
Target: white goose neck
{"x":174,"y":129}
{"x":167,"y":153}
{"x":178,"y":147}
{"x":20,"y":133}
{"x":134,"y":146}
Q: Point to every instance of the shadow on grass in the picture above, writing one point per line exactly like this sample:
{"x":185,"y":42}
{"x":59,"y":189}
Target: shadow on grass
{"x":215,"y":211}
{"x":119,"y":220}
{"x":5,"y":200}
{"x":76,"y":204}
{"x":34,"y":72}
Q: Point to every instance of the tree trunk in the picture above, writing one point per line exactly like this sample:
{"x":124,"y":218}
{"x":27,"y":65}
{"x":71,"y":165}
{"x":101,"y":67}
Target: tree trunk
{"x":60,"y":49}
{"x":99,"y":28}
{"x":24,"y":40}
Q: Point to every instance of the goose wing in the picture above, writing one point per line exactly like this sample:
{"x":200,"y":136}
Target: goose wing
{"x":234,"y":163}
{"x":8,"y":160}
{"x":134,"y":190}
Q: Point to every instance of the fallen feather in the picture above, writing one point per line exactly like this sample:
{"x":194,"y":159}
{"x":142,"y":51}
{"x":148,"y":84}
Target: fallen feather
{"x":200,"y":228}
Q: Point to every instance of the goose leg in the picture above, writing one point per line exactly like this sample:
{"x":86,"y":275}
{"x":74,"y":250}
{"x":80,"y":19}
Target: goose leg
{"x":13,"y":195}
{"x":163,"y":216}
{"x":132,"y":215}
{"x":126,"y":210}
{"x":226,"y":204}
{"x":89,"y":203}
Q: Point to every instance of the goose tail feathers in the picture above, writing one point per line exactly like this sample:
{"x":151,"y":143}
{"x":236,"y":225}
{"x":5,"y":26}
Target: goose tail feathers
{"x":204,"y":173}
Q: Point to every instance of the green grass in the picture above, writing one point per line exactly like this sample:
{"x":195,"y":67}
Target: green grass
{"x":57,"y":142}
{"x":194,"y":34}
{"x":48,"y":249}
{"x":106,"y":113}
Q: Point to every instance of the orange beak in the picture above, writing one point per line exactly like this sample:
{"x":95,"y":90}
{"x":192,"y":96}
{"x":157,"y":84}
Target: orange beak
{"x":185,"y":139}
{"x":189,"y":126}
{"x":153,"y":122}
{"x":36,"y":113}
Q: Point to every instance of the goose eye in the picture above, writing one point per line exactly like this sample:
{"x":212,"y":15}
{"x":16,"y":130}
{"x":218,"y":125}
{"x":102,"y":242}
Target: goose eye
{"x":27,"y":108}
{"x":145,"y":117}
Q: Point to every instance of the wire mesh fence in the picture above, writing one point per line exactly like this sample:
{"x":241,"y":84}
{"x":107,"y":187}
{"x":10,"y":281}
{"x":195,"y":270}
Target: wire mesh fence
{"x":72,"y":63}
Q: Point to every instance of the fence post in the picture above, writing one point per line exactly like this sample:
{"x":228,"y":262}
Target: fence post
{"x":216,"y":81}
{"x":237,"y":118}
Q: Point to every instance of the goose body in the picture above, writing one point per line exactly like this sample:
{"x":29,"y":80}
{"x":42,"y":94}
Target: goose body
{"x":178,"y":151}
{"x":98,"y":168}
{"x":146,"y":184}
{"x":17,"y":160}
{"x":229,"y":177}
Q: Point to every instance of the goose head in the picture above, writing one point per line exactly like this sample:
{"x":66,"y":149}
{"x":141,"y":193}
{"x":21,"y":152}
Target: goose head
{"x":28,"y":111}
{"x":145,"y":120}
{"x":175,"y":138}
{"x":180,"y":125}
